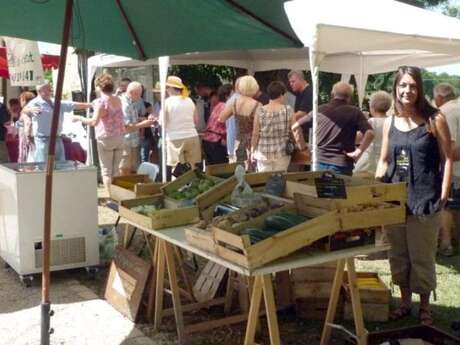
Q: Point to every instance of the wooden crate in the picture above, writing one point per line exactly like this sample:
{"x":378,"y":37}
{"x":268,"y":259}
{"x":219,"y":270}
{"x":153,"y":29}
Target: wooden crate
{"x":132,"y":186}
{"x":351,"y":216}
{"x":202,"y":238}
{"x":160,"y":219}
{"x":316,"y":309}
{"x":222,"y":192}
{"x":238,"y":249}
{"x":375,"y":298}
{"x":378,"y":294}
{"x":371,"y":311}
{"x":318,"y":273}
{"x":225,"y":170}
{"x":359,"y":190}
{"x":181,"y":181}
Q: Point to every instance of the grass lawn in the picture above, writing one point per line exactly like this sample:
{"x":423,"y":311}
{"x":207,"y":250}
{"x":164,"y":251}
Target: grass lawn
{"x":446,"y":308}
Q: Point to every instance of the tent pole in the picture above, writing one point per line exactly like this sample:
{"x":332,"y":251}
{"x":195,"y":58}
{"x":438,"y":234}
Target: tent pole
{"x":132,"y":32}
{"x":163,"y":63}
{"x":314,"y":68}
{"x":46,"y":312}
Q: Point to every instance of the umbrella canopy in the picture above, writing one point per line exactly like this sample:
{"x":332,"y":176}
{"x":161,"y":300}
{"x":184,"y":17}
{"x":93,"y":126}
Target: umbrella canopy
{"x":145,"y":28}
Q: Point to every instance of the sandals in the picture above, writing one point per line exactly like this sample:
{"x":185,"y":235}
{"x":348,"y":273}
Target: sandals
{"x":402,"y":312}
{"x":425,"y":317}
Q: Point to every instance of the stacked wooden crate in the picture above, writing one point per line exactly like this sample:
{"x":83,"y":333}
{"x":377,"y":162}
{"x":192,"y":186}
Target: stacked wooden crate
{"x":375,"y":297}
{"x":132,"y":186}
{"x":311,"y":290}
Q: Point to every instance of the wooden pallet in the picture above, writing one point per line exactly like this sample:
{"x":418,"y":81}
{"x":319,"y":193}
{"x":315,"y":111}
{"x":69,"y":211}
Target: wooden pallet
{"x":160,"y":219}
{"x":210,"y":279}
{"x":132,"y":186}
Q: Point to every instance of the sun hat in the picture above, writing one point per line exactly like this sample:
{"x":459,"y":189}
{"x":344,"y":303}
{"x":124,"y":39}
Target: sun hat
{"x":175,"y":82}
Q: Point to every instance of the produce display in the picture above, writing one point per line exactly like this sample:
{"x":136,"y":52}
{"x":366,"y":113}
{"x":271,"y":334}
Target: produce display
{"x":273,"y":225}
{"x":236,"y":219}
{"x":146,"y":210}
{"x":191,"y":190}
{"x":125,"y":184}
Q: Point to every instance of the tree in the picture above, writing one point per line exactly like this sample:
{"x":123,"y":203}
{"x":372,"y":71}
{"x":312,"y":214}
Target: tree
{"x":425,"y":3}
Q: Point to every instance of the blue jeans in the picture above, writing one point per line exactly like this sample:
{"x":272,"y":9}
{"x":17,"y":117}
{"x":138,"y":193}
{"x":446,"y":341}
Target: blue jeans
{"x":334,"y":168}
{"x":41,"y":149}
{"x":146,"y":146}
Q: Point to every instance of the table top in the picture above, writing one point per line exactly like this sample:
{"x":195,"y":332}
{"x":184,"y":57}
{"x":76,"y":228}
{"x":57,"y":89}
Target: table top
{"x":302,"y":258}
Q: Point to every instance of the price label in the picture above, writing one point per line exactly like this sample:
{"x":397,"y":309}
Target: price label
{"x":331,"y":187}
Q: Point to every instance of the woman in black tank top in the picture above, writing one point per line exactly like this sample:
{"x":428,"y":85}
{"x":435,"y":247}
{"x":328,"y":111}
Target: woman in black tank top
{"x":416,"y":149}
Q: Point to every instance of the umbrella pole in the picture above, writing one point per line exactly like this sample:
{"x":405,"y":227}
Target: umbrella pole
{"x":46,"y":312}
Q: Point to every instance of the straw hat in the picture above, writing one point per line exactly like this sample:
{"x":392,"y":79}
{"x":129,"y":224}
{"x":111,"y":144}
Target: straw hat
{"x":175,"y":82}
{"x":157,"y":87}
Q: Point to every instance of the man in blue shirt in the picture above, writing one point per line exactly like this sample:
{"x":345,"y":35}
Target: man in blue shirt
{"x":133,"y":109}
{"x":42,"y":116}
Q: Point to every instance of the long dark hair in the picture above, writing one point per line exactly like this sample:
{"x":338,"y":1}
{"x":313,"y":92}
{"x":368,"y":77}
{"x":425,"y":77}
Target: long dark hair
{"x":422,"y":106}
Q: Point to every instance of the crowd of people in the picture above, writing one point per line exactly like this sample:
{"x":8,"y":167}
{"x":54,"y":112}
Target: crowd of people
{"x":405,"y":138}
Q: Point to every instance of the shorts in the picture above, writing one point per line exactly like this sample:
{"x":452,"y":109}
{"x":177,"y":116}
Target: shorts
{"x":131,"y":158}
{"x":187,"y":150}
{"x":110,"y":152}
{"x":413,"y":252}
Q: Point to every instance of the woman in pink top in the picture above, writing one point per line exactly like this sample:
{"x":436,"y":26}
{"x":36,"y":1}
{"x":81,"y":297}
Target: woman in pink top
{"x":109,"y":128}
{"x":214,"y":137}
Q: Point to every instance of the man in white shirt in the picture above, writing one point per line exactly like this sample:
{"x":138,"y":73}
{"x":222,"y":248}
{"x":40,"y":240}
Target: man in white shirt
{"x":445,"y":97}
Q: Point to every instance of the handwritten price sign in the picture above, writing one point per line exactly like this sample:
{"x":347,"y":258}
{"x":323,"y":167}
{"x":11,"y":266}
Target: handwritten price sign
{"x":24,"y":62}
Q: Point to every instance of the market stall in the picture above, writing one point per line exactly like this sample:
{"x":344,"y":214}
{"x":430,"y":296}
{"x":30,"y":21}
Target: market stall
{"x":258,"y":255}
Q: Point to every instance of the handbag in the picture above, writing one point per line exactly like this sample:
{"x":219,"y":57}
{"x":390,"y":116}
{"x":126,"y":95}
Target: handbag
{"x":290,"y":144}
{"x":180,"y":169}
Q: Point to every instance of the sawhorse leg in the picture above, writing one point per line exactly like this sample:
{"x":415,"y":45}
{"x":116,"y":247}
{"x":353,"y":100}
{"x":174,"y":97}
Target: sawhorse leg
{"x":166,"y":254}
{"x":361,"y":333}
{"x":262,"y":285}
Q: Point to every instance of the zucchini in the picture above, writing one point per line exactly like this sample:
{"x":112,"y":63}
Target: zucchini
{"x":255,"y":234}
{"x":283,"y":221}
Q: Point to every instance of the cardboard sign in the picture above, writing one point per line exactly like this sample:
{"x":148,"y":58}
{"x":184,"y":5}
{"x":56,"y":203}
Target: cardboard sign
{"x":126,"y":282}
{"x":331,"y":187}
{"x":24,"y":62}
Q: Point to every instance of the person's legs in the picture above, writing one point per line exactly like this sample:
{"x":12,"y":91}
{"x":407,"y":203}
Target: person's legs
{"x":398,"y":256}
{"x":41,"y":149}
{"x":59,"y":152}
{"x":282,"y":163}
{"x":192,"y":151}
{"x":145,"y":148}
{"x":445,"y":245}
{"x":334,"y":168}
{"x":265,"y":165}
{"x":423,"y":235}
{"x":105,"y":153}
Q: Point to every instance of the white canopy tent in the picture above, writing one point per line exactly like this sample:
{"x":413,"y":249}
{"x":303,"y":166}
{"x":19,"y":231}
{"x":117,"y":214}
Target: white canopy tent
{"x":363,"y":29}
{"x":356,"y":37}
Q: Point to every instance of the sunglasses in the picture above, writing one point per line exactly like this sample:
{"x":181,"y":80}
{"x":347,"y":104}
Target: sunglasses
{"x":405,"y":68}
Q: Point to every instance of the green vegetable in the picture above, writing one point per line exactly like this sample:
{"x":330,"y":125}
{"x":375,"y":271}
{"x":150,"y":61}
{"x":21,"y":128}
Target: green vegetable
{"x":283,"y":221}
{"x":256,"y":235}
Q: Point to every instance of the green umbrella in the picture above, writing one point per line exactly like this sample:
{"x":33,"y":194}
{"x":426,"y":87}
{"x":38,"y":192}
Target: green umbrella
{"x":160,"y":27}
{"x":139,"y":29}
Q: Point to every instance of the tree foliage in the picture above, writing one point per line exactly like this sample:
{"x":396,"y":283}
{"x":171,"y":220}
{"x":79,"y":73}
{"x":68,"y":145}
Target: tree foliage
{"x":425,"y":3}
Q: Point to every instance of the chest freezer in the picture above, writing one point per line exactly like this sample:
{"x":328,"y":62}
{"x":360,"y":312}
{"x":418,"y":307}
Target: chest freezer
{"x":74,"y":219}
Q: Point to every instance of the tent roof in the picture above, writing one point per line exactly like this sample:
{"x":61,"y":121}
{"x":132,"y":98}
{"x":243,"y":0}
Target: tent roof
{"x":162,"y":27}
{"x":331,"y":26}
{"x":255,"y":60}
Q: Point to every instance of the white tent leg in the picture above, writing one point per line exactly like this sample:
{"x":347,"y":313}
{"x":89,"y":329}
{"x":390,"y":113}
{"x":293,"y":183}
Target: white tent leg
{"x":315,"y":60}
{"x":345,"y":77}
{"x":163,"y":64}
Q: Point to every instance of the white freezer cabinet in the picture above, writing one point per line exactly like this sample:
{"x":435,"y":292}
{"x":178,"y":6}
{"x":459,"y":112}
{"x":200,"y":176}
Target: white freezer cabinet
{"x":74,"y":219}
